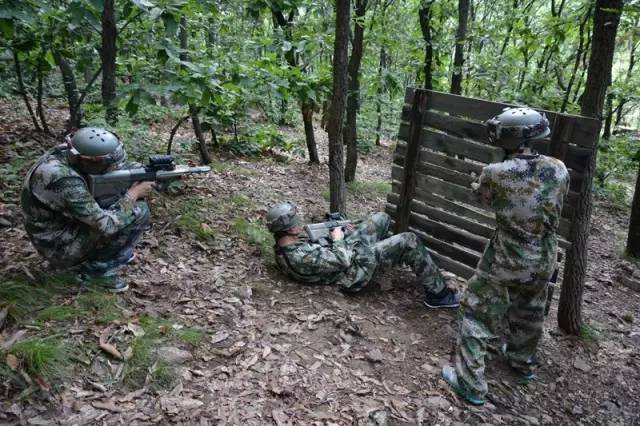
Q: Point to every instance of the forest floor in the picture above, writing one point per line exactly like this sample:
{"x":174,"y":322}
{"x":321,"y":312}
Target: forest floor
{"x":210,"y":332}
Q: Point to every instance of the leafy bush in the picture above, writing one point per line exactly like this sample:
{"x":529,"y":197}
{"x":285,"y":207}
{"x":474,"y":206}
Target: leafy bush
{"x":617,"y":161}
{"x":261,"y":141}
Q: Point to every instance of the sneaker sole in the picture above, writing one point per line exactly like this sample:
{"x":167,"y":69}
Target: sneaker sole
{"x":455,"y":305}
{"x":118,"y":290}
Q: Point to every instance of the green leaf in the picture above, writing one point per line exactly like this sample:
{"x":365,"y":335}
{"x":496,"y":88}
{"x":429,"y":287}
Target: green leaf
{"x":170,"y":23}
{"x":6,"y":28}
{"x":49,"y":58}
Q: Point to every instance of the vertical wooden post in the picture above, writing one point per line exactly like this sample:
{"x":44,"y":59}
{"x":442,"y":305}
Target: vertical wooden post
{"x":411,"y":160}
{"x":561,"y":131}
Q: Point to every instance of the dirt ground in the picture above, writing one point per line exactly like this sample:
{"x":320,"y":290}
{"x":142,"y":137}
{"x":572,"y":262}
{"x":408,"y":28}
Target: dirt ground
{"x":277,"y":352}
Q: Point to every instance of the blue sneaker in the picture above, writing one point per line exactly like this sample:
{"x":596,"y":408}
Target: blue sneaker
{"x":447,"y":298}
{"x":449,"y":375}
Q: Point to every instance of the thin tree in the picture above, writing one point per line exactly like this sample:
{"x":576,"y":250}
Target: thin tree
{"x":353,"y":100}
{"x":193,"y":110}
{"x":605,"y":25}
{"x":458,"y":56}
{"x":23,"y":90}
{"x":633,"y":238}
{"x":306,"y":106}
{"x":579,"y":53}
{"x":108,"y":54}
{"x":338,"y":104}
{"x":425,"y":15}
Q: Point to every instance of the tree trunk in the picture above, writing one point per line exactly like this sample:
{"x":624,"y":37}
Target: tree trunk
{"x":579,"y":53}
{"x":183,"y":35}
{"x":108,"y":53}
{"x":353,"y":100}
{"x":23,"y":91}
{"x":197,"y":129}
{"x":633,"y":239}
{"x":605,"y":25}
{"x":292,"y":59}
{"x":40,"y":106}
{"x":338,"y":103}
{"x":380,"y":93}
{"x":309,"y":136}
{"x":458,"y":57}
{"x":425,"y":26}
{"x":606,"y":132}
{"x":633,"y":47}
{"x":71,"y":89}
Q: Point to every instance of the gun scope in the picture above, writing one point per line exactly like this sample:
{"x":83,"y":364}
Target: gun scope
{"x":161,"y":162}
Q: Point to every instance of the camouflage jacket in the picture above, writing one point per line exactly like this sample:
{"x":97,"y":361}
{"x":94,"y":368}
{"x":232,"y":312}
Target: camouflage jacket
{"x":348,"y":262}
{"x":62,"y":218}
{"x":526,"y":192}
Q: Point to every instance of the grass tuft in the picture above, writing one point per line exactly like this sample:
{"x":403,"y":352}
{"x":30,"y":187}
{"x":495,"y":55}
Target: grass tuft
{"x":369,"y":189}
{"x":588,"y":334}
{"x":47,"y":357}
{"x":103,"y":307}
{"x":255,"y":233}
{"x":144,"y":365}
{"x":58,"y":313}
{"x":193,"y":224}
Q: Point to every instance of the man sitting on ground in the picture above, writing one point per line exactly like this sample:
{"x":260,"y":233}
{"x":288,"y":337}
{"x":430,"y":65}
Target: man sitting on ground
{"x":352,"y":260}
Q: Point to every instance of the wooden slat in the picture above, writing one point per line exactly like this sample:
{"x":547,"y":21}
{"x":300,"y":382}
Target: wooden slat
{"x":459,"y":255}
{"x":465,"y":218}
{"x":440,"y":172}
{"x":448,"y":233}
{"x":585,"y":133}
{"x":447,"y":217}
{"x":456,"y":126}
{"x":484,"y":217}
{"x":457,"y":146}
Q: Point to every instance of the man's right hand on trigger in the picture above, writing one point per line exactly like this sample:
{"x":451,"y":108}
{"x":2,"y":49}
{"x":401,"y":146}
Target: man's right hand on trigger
{"x":140,"y":190}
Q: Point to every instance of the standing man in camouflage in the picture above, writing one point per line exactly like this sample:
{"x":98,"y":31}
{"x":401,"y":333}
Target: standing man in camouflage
{"x":351,"y":261}
{"x":66,"y":224}
{"x":526,"y":191}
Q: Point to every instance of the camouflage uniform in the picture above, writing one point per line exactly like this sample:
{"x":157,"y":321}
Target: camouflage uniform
{"x":352,"y":262}
{"x":68,"y":227}
{"x":527,"y":193}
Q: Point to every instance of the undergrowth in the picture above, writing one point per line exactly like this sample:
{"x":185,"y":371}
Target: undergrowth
{"x":144,"y":366}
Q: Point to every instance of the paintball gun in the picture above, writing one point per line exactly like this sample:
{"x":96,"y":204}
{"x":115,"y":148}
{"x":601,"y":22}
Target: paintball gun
{"x":318,"y":231}
{"x":107,"y":188}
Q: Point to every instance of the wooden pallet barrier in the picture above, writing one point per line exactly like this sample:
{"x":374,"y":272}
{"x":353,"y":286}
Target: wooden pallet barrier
{"x":442,"y":148}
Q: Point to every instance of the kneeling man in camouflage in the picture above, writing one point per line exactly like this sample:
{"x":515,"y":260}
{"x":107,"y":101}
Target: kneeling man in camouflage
{"x":64,"y":221}
{"x":351,"y":260}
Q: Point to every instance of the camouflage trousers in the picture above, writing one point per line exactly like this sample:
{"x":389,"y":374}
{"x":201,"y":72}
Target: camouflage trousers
{"x":493,"y":303}
{"x":108,"y":255}
{"x":401,"y":249}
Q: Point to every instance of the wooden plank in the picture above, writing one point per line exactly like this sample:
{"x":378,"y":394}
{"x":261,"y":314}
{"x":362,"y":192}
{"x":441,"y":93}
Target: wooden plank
{"x":448,"y":190}
{"x":481,"y":216}
{"x":440,"y":210}
{"x":459,"y":255}
{"x":440,"y":172}
{"x":586,"y":130}
{"x":575,"y":158}
{"x":456,"y":126}
{"x":457,"y":146}
{"x":448,"y":233}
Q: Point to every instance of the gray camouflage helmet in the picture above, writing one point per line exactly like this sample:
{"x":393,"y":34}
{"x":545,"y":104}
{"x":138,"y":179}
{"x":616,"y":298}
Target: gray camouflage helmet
{"x":515,"y":126}
{"x":94,"y":150}
{"x":282,"y":217}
